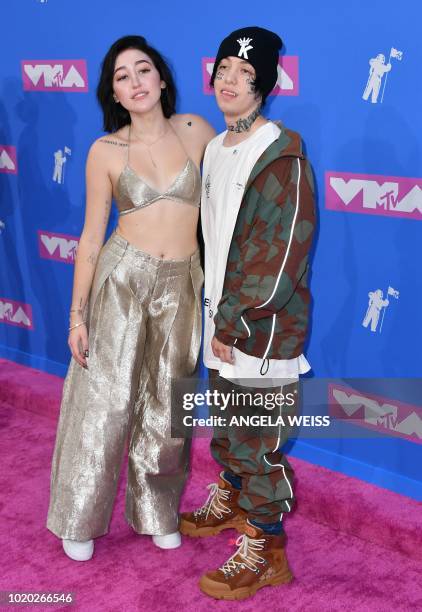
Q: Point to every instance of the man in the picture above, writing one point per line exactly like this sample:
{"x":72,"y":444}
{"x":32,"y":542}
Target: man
{"x":59,"y":160}
{"x":376,"y":304}
{"x":257,"y":221}
{"x":378,"y":68}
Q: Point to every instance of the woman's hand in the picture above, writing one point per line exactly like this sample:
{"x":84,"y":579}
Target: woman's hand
{"x":78,"y":344}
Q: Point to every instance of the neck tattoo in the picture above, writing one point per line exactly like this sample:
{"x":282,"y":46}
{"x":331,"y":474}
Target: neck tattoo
{"x":244,"y":125}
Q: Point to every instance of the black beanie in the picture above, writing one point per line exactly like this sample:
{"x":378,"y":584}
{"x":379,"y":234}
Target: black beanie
{"x":257,"y":46}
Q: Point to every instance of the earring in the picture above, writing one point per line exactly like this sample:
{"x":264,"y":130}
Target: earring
{"x":115,"y":99}
{"x":163,"y":85}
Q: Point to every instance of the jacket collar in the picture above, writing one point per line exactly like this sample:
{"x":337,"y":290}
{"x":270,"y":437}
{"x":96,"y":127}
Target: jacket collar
{"x":288,"y":144}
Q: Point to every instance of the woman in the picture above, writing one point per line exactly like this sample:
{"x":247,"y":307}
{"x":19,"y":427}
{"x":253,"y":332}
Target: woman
{"x":135,"y":319}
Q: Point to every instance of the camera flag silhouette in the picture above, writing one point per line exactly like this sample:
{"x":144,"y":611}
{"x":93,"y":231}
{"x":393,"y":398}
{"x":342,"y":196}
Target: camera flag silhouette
{"x":398,"y":55}
{"x":393,"y":292}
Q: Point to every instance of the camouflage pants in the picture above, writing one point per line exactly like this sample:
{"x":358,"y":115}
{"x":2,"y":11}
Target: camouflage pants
{"x":254,"y":453}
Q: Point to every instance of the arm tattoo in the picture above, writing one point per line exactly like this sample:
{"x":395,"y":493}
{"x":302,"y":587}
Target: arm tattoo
{"x":113,"y":142}
{"x":244,"y":125}
{"x":107,"y":212}
{"x":92,"y":259}
{"x":78,"y":310}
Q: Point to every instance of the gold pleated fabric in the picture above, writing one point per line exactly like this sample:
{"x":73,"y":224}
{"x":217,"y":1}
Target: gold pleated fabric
{"x":144,"y":329}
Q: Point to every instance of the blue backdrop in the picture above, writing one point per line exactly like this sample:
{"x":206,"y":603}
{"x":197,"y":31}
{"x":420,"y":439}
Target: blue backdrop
{"x":366,"y":279}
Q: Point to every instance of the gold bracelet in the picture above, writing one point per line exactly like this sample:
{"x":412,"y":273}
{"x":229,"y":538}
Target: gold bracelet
{"x":77,"y":325}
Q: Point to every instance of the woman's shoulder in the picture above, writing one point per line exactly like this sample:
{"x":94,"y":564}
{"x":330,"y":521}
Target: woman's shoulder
{"x":105,"y":145}
{"x":188,"y":119}
{"x":193,"y":125}
{"x":118,"y":138}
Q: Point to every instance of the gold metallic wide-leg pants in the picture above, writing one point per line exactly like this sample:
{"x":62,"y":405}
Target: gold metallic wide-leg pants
{"x":144,"y":329}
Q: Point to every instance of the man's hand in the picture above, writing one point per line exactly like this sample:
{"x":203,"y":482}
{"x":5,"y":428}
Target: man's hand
{"x":222,"y":351}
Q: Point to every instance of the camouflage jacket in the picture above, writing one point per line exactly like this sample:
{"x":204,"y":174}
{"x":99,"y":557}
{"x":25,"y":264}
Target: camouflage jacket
{"x":265,"y":299}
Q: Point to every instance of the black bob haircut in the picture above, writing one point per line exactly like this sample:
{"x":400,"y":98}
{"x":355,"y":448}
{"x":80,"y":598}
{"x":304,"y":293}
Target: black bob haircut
{"x":114,"y":115}
{"x":257,"y":85}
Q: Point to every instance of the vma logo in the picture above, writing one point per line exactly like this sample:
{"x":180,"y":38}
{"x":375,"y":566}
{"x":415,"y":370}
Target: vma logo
{"x":287,"y":79}
{"x":375,"y":412}
{"x":16,"y":313}
{"x":59,"y":247}
{"x":372,"y":194}
{"x":8,"y":161}
{"x":54,"y":75}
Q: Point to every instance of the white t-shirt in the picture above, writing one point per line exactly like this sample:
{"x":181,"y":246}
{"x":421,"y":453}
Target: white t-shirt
{"x":225,"y":174}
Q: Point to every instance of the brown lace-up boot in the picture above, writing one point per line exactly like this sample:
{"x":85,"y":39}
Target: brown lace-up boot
{"x":259,"y":561}
{"x":219,"y":512}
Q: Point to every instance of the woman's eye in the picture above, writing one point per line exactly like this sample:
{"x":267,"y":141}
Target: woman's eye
{"x":222,"y":67}
{"x":120,"y":78}
{"x":144,"y":70}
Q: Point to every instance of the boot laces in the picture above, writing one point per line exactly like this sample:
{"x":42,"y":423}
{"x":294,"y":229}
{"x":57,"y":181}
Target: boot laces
{"x":214,"y":503}
{"x":247,"y":552}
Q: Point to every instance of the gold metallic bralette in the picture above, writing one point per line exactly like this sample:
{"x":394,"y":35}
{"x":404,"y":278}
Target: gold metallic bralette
{"x":134,"y":193}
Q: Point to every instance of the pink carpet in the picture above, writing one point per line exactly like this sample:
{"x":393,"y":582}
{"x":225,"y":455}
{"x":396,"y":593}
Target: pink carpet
{"x":352,"y":546}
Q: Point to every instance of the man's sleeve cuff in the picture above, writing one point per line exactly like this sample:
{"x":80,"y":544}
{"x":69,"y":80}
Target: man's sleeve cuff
{"x":224,"y":338}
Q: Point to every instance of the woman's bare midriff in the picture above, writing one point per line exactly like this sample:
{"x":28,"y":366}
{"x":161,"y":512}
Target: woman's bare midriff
{"x":165,"y":229}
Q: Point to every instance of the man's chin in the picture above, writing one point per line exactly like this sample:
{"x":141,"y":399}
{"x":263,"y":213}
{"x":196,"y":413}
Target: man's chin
{"x":228,"y":107}
{"x":231,"y":111}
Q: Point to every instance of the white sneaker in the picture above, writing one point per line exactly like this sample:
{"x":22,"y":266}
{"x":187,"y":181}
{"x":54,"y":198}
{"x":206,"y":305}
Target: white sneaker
{"x":172,"y":540}
{"x":79,"y":551}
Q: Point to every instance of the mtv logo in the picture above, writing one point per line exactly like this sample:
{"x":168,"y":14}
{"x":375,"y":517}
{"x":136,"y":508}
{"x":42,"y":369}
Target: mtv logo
{"x":376,"y":412}
{"x":60,"y":247}
{"x":55,"y":75}
{"x":287,"y":79}
{"x":16,"y":313}
{"x":8,"y":160}
{"x":288,"y":76}
{"x":392,"y":196}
